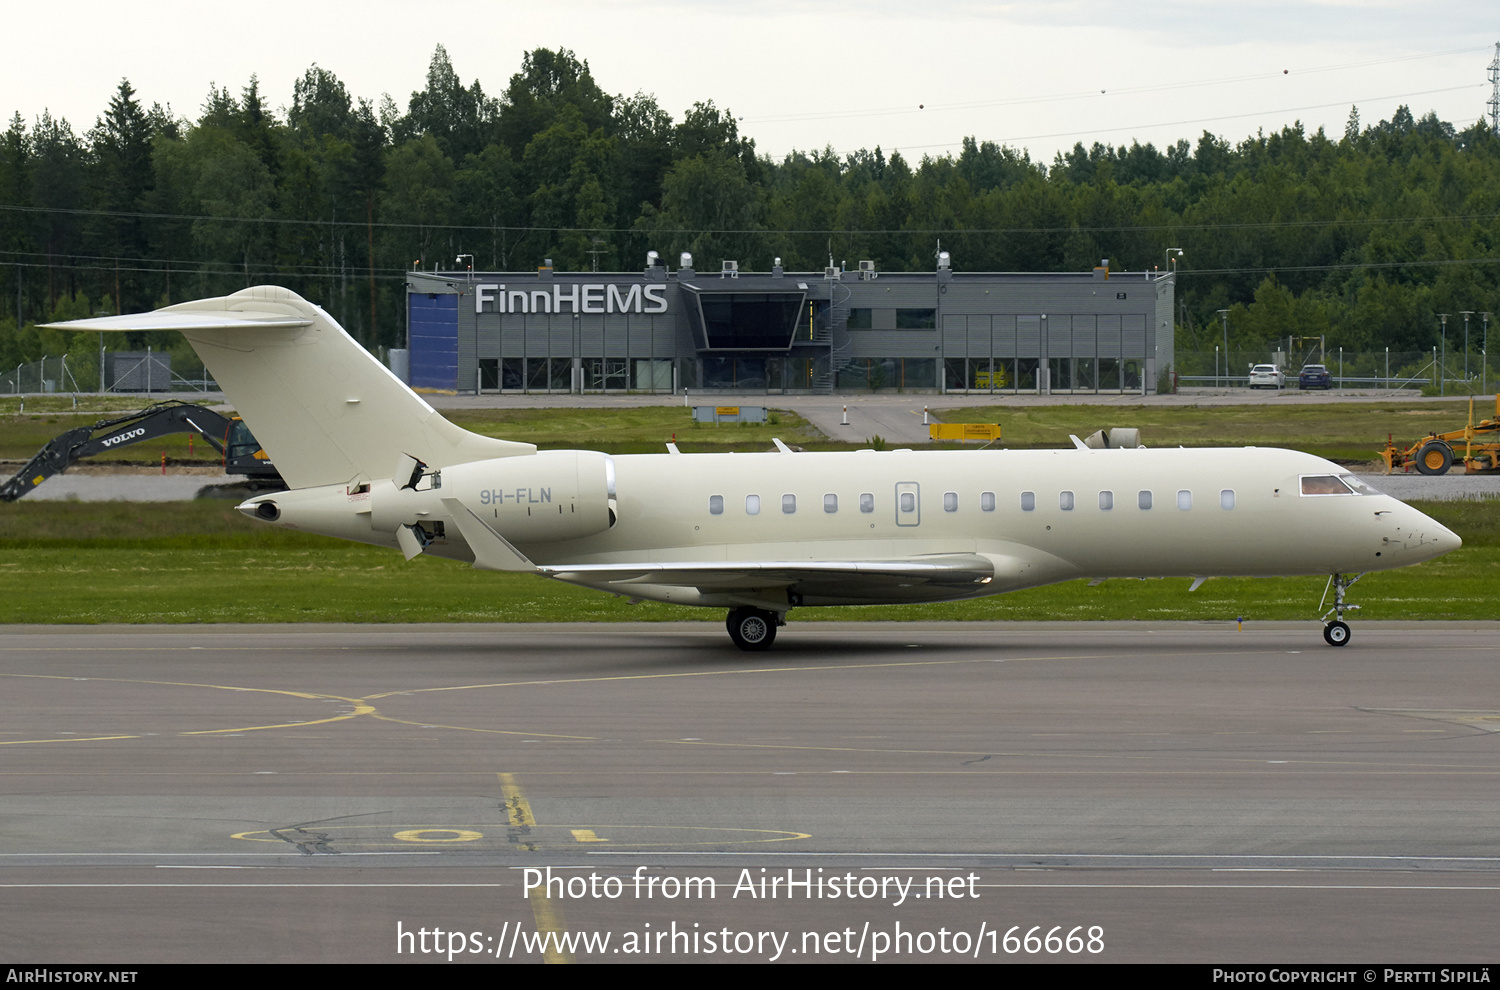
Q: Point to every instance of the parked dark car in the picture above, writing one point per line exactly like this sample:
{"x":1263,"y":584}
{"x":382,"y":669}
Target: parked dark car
{"x":1314,"y":376}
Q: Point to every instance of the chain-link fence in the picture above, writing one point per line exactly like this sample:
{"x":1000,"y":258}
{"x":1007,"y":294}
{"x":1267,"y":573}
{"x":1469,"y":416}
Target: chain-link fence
{"x":50,"y":374}
{"x":1430,"y":372}
{"x":124,"y":372}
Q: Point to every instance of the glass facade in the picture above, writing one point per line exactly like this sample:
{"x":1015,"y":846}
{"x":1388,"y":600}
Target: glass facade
{"x":748,"y":320}
{"x":666,"y":332}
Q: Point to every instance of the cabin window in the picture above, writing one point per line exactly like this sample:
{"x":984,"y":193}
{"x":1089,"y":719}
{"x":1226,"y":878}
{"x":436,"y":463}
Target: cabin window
{"x":986,"y":501}
{"x":950,"y":501}
{"x":866,"y":502}
{"x":788,"y":504}
{"x":1028,"y":501}
{"x":1184,"y":499}
{"x":716,"y":505}
{"x":1323,"y":484}
{"x":1226,"y":498}
{"x":830,"y":504}
{"x":1106,"y":500}
{"x":752,"y":505}
{"x":908,"y":502}
{"x":1143,"y":499}
{"x":1065,"y":501}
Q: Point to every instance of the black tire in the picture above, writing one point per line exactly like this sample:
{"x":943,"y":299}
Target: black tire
{"x":1336,"y":633}
{"x":1434,"y":458}
{"x":752,"y":629}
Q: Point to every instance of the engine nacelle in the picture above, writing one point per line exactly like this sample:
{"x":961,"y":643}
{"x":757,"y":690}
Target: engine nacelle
{"x":545,"y":497}
{"x":533,"y":498}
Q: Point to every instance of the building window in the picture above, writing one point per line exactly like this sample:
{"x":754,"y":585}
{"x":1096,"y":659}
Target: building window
{"x":788,"y":504}
{"x":1184,"y":499}
{"x":752,"y":505}
{"x":986,"y":501}
{"x":1065,"y":501}
{"x":916,"y":319}
{"x":1028,"y":501}
{"x":1143,"y":499}
{"x":1226,"y":498}
{"x":830,"y":504}
{"x":1106,"y":500}
{"x":859,"y":319}
{"x":866,"y":502}
{"x":950,"y":501}
{"x":716,"y":505}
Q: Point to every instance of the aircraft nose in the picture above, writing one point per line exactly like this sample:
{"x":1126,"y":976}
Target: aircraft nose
{"x":1430,"y":537}
{"x":1446,"y":539}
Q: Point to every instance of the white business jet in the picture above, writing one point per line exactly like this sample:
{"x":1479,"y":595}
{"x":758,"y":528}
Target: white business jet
{"x":760,"y":534}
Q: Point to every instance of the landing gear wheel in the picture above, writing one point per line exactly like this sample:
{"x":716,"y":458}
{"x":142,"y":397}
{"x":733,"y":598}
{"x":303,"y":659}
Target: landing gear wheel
{"x":1336,"y":633}
{"x":1434,"y":458}
{"x":752,"y":629}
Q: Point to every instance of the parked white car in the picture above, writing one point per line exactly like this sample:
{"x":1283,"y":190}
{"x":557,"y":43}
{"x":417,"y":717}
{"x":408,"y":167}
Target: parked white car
{"x":1267,"y":376}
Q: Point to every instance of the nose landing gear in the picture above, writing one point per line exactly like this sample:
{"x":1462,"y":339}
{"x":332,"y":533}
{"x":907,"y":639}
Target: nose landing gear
{"x":1336,"y":633}
{"x":753,"y":629}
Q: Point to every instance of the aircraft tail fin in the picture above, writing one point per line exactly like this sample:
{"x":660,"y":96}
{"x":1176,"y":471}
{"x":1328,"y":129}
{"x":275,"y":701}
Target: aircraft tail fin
{"x":325,"y":410}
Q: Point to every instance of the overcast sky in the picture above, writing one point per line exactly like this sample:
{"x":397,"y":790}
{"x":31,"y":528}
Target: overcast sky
{"x":1038,"y":76}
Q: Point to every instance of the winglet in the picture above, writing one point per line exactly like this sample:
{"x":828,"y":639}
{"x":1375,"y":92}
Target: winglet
{"x":1077,"y":443}
{"x":492,"y":552}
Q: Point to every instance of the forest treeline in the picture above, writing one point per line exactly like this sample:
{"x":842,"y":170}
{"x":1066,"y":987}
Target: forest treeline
{"x":1362,"y":237}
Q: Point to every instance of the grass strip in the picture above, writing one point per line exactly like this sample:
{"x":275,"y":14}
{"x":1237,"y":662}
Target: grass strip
{"x":201,"y":561}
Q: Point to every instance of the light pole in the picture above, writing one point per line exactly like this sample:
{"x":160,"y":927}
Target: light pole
{"x":1169,"y":262}
{"x":1224,"y":314}
{"x":1484,"y":352}
{"x":1467,"y":313}
{"x":1443,"y":359}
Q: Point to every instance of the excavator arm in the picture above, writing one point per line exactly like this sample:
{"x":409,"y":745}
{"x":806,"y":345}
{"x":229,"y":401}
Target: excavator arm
{"x":158,"y":420}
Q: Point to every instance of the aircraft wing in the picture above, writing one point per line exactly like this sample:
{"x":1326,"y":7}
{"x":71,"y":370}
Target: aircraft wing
{"x":929,"y":577}
{"x":933,"y":577}
{"x":723,"y":574}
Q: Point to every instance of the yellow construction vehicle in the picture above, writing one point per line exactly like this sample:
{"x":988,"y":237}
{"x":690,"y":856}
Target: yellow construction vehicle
{"x":1476,"y":446}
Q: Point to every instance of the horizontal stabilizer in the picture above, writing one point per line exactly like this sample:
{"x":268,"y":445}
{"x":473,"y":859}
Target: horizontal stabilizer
{"x":166,"y":319}
{"x":325,"y":410}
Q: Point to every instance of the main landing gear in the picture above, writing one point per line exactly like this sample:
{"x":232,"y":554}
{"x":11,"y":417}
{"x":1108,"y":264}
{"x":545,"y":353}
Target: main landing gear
{"x":1336,"y":633}
{"x":753,"y":629}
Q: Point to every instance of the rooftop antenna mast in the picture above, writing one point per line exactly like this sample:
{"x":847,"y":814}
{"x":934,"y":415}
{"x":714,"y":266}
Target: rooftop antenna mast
{"x":1494,"y":104}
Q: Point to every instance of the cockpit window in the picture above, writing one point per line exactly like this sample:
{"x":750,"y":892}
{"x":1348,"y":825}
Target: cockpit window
{"x":1324,"y":484}
{"x":1360,"y":488}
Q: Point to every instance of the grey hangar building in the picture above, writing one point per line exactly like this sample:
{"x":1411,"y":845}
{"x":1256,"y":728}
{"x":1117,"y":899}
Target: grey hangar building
{"x":680,"y":331}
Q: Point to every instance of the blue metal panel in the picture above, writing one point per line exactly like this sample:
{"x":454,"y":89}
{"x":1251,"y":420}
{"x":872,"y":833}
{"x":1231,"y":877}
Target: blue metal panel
{"x":433,"y":319}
